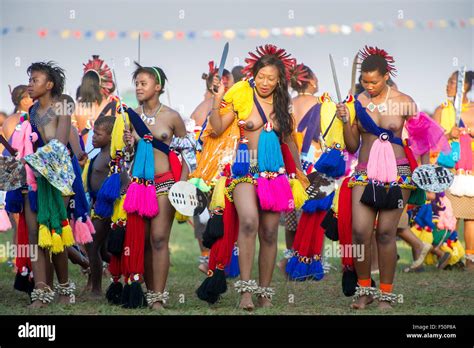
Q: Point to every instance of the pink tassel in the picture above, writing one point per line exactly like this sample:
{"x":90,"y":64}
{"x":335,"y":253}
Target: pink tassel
{"x":90,"y":225}
{"x":82,"y":234}
{"x":465,"y":160}
{"x":382,"y":165}
{"x":275,"y":194}
{"x":5,"y":223}
{"x":130,"y":205}
{"x":447,"y":220}
{"x":149,"y":204}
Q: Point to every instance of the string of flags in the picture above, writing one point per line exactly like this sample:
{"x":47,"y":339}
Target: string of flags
{"x":230,"y":34}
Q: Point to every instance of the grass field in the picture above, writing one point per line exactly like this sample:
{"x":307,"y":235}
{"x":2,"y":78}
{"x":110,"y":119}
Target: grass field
{"x":431,"y":292}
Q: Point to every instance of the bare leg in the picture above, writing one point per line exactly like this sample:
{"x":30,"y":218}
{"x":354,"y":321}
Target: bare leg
{"x":245,"y":200}
{"x":148,"y":275}
{"x":363,"y":220}
{"x":374,"y":259}
{"x":160,"y":230}
{"x":41,"y":264}
{"x":102,"y":228}
{"x":469,"y":240}
{"x":386,"y":243}
{"x":268,"y":237}
{"x":290,"y":232}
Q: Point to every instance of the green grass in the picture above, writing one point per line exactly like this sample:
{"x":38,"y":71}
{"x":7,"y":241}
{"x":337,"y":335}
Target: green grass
{"x":432,"y":292}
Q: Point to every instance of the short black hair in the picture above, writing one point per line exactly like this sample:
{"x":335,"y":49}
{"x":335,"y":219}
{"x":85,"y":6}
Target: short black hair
{"x":17,"y":95}
{"x":374,"y":62}
{"x":54,"y":73}
{"x":152,"y":71}
{"x":107,"y":122}
{"x":237,"y":73}
{"x":468,"y":79}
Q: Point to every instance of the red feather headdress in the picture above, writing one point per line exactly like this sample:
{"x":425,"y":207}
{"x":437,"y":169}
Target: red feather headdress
{"x":103,"y":71}
{"x":369,"y":51}
{"x":269,"y":50}
{"x":299,"y":74}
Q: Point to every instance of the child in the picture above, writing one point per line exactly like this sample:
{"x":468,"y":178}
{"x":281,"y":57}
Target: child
{"x":97,"y":172}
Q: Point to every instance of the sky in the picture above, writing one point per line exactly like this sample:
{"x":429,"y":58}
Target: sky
{"x":424,"y":57}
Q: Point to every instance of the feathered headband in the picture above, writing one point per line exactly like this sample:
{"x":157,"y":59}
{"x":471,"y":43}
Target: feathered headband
{"x":269,"y":50}
{"x":102,"y":70}
{"x":212,"y":70}
{"x":299,"y":74}
{"x":370,"y":51}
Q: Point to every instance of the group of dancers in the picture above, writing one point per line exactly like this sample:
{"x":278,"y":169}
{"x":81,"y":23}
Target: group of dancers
{"x":89,"y":181}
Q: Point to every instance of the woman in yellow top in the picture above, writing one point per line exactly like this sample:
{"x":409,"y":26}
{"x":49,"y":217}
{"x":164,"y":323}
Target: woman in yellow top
{"x":258,"y":185}
{"x":461,"y":192}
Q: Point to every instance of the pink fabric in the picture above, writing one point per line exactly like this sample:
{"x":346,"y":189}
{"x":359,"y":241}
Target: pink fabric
{"x":5,"y":223}
{"x":275,"y":194}
{"x":149,"y":203}
{"x":82,"y":235}
{"x":400,"y":162}
{"x":447,"y":220}
{"x":382,"y":165}
{"x":465,"y":158}
{"x":425,"y":135}
{"x":132,"y":199}
{"x":22,"y":141}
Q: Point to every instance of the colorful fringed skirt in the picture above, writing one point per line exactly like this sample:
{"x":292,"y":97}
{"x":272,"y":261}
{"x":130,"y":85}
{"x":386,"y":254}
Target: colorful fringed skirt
{"x":163,"y":183}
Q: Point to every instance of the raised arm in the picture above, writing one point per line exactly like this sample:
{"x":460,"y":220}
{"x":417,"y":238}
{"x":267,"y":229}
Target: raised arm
{"x":219,"y":123}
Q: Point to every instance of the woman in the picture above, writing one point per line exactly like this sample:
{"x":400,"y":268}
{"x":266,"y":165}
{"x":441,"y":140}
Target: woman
{"x":307,"y":118}
{"x":381,"y":114}
{"x":155,"y":127}
{"x":22,"y":102}
{"x":93,"y":97}
{"x":259,"y":110}
{"x":460,"y":193}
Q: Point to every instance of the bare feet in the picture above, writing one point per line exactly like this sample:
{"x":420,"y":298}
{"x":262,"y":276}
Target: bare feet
{"x":362,"y":302}
{"x":420,"y":255}
{"x":37,"y":304}
{"x":246,"y":302}
{"x":444,"y":260}
{"x":157,"y":306}
{"x":64,"y":299}
{"x":203,"y":267}
{"x":469,"y":265}
{"x":383,"y":305}
{"x":264,"y":302}
{"x":282,"y":266}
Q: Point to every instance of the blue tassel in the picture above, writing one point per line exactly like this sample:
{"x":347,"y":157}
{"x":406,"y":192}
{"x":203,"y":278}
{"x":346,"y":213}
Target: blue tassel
{"x":232,"y":270}
{"x":149,"y":165}
{"x":270,"y":158}
{"x":331,"y":163}
{"x":110,"y":189}
{"x":453,"y":236}
{"x":14,"y":201}
{"x":314,"y":205}
{"x":103,"y":208}
{"x":81,"y":206}
{"x":33,"y":198}
{"x":300,"y":272}
{"x":140,"y":160}
{"x":424,"y":217}
{"x":241,"y":165}
{"x":316,"y":270}
{"x":290,"y":266}
{"x":449,"y":160}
